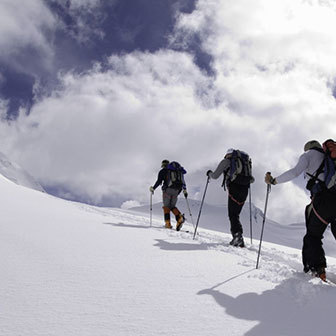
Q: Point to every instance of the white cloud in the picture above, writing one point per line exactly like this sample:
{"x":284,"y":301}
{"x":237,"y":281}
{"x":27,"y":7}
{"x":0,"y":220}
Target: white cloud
{"x":105,"y":132}
{"x":24,"y":24}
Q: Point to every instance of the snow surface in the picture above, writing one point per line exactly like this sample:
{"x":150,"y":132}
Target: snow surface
{"x":73,"y":269}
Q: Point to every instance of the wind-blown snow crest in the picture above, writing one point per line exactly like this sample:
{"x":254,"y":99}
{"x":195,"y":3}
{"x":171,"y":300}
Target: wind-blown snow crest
{"x":17,"y":174}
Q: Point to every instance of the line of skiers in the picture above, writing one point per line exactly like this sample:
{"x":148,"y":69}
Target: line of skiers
{"x":318,"y":163}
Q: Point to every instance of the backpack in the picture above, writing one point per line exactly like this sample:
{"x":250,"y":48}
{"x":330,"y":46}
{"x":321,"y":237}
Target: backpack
{"x":327,"y":167}
{"x":175,"y":178}
{"x":240,"y":170}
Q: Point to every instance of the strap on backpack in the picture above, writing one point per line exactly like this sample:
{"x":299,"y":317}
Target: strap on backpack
{"x":224,"y":177}
{"x":319,"y":170}
{"x":312,"y":186}
{"x":314,"y":177}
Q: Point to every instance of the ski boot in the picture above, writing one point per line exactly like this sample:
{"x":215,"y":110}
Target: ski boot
{"x":168,"y":225}
{"x":238,"y":240}
{"x":319,"y":272}
{"x":180,"y":222}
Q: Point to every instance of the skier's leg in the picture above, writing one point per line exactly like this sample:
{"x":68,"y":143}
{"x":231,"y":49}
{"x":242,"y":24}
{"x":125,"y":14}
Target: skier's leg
{"x":322,"y":212}
{"x":234,"y":210}
{"x":237,"y":197}
{"x":178,"y":216}
{"x":313,"y":255}
{"x":304,"y":247}
{"x":333,"y":228}
{"x":166,"y":209}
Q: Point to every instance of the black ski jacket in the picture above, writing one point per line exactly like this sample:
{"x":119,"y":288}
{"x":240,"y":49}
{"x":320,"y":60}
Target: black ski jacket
{"x":162,"y":179}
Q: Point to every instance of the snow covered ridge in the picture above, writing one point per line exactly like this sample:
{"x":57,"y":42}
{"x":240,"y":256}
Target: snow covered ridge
{"x":17,"y":174}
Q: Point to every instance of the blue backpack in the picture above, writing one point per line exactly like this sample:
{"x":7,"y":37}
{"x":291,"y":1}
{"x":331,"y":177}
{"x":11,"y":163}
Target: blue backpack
{"x":240,"y":170}
{"x":175,"y":178}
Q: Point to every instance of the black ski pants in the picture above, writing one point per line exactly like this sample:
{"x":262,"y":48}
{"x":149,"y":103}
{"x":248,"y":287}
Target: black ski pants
{"x":319,"y":213}
{"x":237,"y":195}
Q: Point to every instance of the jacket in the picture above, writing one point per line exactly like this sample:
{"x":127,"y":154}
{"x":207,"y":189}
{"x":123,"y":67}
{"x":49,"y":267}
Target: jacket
{"x":309,"y":162}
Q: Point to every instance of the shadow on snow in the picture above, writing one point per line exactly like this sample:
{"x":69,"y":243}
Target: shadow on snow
{"x":129,"y":226}
{"x":169,"y":246}
{"x":291,"y":308}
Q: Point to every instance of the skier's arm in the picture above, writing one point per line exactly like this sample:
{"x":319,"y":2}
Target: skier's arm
{"x":223,"y":165}
{"x":290,"y":174}
{"x":160,"y":179}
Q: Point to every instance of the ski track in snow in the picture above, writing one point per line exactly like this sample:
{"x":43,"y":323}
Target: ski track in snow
{"x":73,"y":269}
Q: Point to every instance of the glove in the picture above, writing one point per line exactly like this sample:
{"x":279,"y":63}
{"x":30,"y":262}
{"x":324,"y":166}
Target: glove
{"x":185,"y":193}
{"x":151,"y":189}
{"x":208,"y":173}
{"x":269,"y":179}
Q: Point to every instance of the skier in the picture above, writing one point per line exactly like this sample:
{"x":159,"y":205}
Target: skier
{"x":320,"y":212}
{"x":236,"y":168}
{"x":172,"y":180}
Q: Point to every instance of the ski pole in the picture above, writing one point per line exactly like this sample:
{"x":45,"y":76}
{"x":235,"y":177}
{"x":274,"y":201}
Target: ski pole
{"x":250,"y":201}
{"x":151,"y":208}
{"x":262,"y":229}
{"x":190,"y":214}
{"x":200,"y":210}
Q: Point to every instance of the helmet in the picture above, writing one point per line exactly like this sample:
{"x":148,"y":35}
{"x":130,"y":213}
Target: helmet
{"x":312,"y":144}
{"x":164,"y":163}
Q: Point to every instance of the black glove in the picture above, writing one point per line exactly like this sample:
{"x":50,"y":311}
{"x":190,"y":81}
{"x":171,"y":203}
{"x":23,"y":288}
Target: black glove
{"x":208,"y":173}
{"x":269,"y":179}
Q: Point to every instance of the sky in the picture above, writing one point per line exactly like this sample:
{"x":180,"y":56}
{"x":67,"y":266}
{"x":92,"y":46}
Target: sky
{"x":95,"y":94}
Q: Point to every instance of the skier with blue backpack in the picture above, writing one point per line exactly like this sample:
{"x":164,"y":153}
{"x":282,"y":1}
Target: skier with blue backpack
{"x":171,"y":176}
{"x":318,"y":163}
{"x":236,"y":168}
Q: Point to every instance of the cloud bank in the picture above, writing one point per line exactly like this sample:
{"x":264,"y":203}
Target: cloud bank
{"x":101,"y":135}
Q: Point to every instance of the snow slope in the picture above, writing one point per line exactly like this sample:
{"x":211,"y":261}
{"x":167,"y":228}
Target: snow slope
{"x":72,"y":269}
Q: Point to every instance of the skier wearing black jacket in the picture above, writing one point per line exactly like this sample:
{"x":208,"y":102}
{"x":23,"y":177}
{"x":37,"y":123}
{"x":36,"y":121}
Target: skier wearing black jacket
{"x":319,"y":213}
{"x":237,"y":193}
{"x":169,"y":196}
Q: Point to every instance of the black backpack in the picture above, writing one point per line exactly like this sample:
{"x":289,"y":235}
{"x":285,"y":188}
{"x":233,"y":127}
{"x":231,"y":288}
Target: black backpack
{"x":175,"y":178}
{"x":327,"y":167}
{"x":240,"y":170}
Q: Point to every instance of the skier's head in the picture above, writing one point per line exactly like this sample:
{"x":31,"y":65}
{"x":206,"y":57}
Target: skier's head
{"x":312,"y":144}
{"x":325,"y":144}
{"x":229,"y":152}
{"x":164,"y":163}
